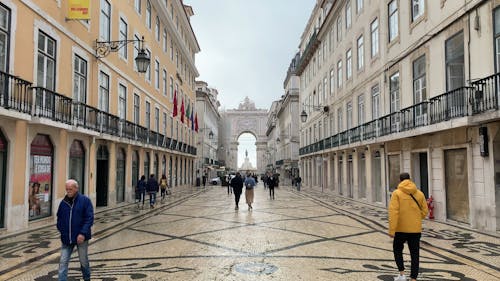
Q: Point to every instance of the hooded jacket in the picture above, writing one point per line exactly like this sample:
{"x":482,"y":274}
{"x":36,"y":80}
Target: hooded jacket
{"x":404,"y":213}
{"x":75,"y":217}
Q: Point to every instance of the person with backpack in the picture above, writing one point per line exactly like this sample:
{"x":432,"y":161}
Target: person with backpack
{"x":406,"y":210}
{"x":249,"y":186}
{"x":163,"y":187}
{"x":140,"y":191}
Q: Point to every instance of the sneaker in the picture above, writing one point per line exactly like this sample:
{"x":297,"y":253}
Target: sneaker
{"x":400,"y":278}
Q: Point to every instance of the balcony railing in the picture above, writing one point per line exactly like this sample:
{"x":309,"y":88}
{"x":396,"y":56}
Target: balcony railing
{"x":49,"y":104}
{"x":15,"y":93}
{"x":483,"y":95}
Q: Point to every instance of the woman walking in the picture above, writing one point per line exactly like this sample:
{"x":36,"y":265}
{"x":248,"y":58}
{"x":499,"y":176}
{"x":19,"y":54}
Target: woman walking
{"x":249,"y":186}
{"x":163,"y":187}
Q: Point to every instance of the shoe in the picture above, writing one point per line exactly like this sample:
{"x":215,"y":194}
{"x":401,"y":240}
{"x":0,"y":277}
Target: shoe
{"x":400,"y":278}
{"x":236,"y":208}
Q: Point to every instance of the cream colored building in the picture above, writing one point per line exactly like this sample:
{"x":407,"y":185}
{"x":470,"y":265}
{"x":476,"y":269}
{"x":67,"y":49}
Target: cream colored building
{"x":404,"y":86}
{"x":68,"y":111}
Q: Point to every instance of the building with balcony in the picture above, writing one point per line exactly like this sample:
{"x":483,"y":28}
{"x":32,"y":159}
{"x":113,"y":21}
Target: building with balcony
{"x":75,"y":102}
{"x":404,"y":86}
{"x":207,"y":105}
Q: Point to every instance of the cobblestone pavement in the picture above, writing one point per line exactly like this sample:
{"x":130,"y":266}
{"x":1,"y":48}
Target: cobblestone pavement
{"x":197,"y":235}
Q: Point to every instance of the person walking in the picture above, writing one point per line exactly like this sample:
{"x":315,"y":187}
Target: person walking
{"x":229,"y":186}
{"x":152,"y":188}
{"x":299,"y":182}
{"x":163,"y":187}
{"x":141,"y":191}
{"x":249,"y":186}
{"x":271,"y":183}
{"x":75,"y":217}
{"x":407,"y":208}
{"x":237,"y":185}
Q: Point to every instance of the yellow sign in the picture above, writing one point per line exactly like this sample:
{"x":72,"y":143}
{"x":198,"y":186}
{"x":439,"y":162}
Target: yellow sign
{"x":79,"y":9}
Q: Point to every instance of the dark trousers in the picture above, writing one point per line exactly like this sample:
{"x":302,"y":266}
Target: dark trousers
{"x":229,"y":189}
{"x":413,"y":240}
{"x":237,"y":194}
{"x":271,"y":192}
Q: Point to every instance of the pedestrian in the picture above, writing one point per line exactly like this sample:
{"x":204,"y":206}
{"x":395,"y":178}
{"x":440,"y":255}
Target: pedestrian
{"x":229,"y":187}
{"x":75,"y":217}
{"x":204,"y":179}
{"x":237,"y":185}
{"x":299,"y":182}
{"x":152,"y":188}
{"x":271,"y":183}
{"x":264,"y":180}
{"x":141,"y":191}
{"x":249,"y":186}
{"x":163,"y":187}
{"x":406,"y":211}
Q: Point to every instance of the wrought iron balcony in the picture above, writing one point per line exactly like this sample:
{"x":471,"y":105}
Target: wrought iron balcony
{"x":15,"y":93}
{"x":51,"y":105}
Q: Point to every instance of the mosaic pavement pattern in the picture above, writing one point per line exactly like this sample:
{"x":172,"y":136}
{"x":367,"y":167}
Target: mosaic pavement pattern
{"x":197,"y":235}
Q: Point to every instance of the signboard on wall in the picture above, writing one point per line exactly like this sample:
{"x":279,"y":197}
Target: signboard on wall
{"x":78,"y":9}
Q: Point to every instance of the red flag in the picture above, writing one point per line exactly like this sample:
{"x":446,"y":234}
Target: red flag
{"x":182,"y":111}
{"x":196,"y":122}
{"x":175,"y":104}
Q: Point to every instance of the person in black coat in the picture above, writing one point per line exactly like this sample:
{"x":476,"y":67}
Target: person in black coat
{"x":152,"y":188}
{"x":237,"y":185}
{"x":271,"y":183}
{"x":141,"y":191}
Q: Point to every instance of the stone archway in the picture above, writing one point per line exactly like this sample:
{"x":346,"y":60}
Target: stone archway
{"x":245,"y":119}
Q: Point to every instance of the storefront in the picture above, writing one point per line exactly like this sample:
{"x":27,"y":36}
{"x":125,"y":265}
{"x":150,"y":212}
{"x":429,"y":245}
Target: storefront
{"x":77,"y":164}
{"x":120,"y":175}
{"x":135,"y":168}
{"x":102,"y":176}
{"x":146,"y":165}
{"x":156,"y":170}
{"x":3,"y":169}
{"x":457,"y":185}
{"x":40,"y":180}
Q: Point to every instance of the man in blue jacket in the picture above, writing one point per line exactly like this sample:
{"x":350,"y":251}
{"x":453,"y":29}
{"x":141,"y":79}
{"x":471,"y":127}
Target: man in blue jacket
{"x":75,"y":217}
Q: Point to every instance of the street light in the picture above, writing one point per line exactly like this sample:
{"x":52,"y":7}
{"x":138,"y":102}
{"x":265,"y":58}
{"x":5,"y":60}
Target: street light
{"x":303,"y":114}
{"x":103,"y":48}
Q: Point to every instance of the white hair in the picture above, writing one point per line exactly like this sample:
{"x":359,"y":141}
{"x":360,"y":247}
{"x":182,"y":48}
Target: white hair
{"x":73,"y":183}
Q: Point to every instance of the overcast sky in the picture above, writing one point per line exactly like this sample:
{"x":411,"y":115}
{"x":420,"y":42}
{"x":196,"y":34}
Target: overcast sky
{"x":247,"y":46}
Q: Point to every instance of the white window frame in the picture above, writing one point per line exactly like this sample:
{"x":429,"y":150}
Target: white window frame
{"x":393,"y":12}
{"x":374,"y":37}
{"x":361,"y":52}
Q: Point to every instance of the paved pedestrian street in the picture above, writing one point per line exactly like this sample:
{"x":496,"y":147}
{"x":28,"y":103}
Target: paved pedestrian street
{"x":197,"y":235}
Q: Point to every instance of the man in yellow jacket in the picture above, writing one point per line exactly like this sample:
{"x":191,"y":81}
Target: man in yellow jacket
{"x":406,"y":211}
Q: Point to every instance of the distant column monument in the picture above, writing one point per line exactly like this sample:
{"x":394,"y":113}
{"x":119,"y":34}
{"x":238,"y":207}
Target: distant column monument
{"x":247,"y":166}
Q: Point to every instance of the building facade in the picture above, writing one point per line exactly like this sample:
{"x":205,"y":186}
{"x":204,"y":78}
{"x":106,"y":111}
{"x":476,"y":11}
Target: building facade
{"x":404,"y":86}
{"x":208,"y":132}
{"x":73,"y":103}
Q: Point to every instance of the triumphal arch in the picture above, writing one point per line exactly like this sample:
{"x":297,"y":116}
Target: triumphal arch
{"x":245,"y":119}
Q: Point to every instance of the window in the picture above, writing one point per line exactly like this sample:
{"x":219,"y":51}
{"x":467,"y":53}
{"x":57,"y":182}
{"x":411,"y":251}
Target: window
{"x":80,"y":80}
{"x":136,"y":49}
{"x":157,"y":74}
{"x":46,"y":70}
{"x":374,"y":37}
{"x":123,"y":36}
{"x":339,"y":73}
{"x":340,"y":127}
{"x":375,"y":102}
{"x":105,"y":21}
{"x":157,"y":120}
{"x":148,"y":71}
{"x":419,"y":89}
{"x":171,"y":89}
{"x":122,"y":101}
{"x":325,"y":87}
{"x":137,"y":104}
{"x":165,"y":41}
{"x":4,"y":38}
{"x":148,"y":14}
{"x":349,"y":115}
{"x":164,"y":123}
{"x":359,"y":6}
{"x":148,"y":115}
{"x":103,"y":102}
{"x":348,"y":69}
{"x":361,"y":109}
{"x":393,"y":20}
{"x":171,"y":49}
{"x":455,"y":77}
{"x":137,"y":6}
{"x":339,"y":29}
{"x":497,"y":38}
{"x":394,"y":89}
{"x":417,"y":8}
{"x":348,"y":15}
{"x":332,"y":82}
{"x":165,"y":86}
{"x":157,"y":29}
{"x":361,"y":53}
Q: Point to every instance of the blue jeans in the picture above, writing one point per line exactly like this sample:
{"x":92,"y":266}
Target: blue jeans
{"x":152,"y":198}
{"x":66,"y":251}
